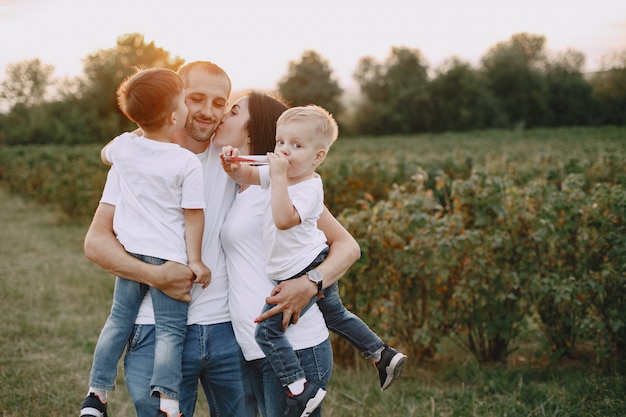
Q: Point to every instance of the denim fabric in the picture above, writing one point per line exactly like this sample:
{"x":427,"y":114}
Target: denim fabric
{"x":170,"y":317}
{"x":347,"y":324}
{"x":171,"y":321}
{"x":127,"y":297}
{"x":264,"y":391}
{"x":277,"y":349}
{"x":211,"y":355}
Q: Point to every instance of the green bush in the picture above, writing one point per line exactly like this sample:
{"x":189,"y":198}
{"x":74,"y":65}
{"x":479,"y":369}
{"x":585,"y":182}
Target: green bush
{"x":70,"y":177}
{"x":497,"y":231}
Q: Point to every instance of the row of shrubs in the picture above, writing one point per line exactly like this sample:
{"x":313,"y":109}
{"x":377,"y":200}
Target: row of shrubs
{"x":489,"y":246}
{"x":481,"y":254}
{"x":492,"y":261}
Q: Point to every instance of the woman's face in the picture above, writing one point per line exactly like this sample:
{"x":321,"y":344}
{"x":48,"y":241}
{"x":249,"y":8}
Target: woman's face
{"x":233,"y":131}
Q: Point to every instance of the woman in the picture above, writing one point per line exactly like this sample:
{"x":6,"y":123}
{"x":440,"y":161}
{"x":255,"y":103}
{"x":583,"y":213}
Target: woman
{"x":250,"y":125}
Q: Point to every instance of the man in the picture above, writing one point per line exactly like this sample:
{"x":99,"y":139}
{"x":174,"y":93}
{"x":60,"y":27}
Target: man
{"x":211,"y":353}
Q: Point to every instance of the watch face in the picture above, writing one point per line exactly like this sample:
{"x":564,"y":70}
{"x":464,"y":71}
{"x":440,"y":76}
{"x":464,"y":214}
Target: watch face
{"x":314,"y":275}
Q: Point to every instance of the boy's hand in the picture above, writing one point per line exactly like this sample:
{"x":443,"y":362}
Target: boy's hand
{"x":202,"y":273}
{"x":227,"y":153}
{"x":279,"y":164}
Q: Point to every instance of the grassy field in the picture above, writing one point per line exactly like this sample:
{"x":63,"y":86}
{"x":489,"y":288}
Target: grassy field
{"x":54,"y":303}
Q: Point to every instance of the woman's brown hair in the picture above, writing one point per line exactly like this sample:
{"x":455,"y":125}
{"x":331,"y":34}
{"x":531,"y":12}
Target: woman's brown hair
{"x":264,"y":110}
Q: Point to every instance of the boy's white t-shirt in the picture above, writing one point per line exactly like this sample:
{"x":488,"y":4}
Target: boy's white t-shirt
{"x":157,"y":181}
{"x":248,"y":282}
{"x":292,"y":250}
{"x":209,"y":305}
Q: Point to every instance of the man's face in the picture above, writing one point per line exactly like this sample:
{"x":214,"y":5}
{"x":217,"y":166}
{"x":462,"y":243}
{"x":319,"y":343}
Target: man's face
{"x":207,"y":98}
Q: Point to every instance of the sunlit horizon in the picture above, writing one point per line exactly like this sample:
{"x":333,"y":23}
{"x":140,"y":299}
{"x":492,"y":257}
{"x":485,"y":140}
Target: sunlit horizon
{"x":255,"y":41}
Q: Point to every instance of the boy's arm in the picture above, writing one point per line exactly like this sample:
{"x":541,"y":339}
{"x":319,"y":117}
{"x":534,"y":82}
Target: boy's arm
{"x":194,"y":227}
{"x":102,"y":248}
{"x":284,"y":213}
{"x":291,"y":296}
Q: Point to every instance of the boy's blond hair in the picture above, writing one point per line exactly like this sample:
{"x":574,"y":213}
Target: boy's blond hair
{"x":323,"y":125}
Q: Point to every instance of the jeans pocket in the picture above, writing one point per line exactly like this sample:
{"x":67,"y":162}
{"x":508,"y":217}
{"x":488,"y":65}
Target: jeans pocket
{"x":135,"y":338}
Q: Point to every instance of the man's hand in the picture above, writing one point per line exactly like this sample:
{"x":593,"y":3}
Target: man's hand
{"x":289,"y":297}
{"x":175,"y":280}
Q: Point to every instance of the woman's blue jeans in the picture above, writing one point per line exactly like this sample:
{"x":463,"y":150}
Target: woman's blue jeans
{"x":171,"y":325}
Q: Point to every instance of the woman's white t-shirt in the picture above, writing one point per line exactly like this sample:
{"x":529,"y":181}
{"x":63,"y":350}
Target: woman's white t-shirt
{"x":242,"y":239}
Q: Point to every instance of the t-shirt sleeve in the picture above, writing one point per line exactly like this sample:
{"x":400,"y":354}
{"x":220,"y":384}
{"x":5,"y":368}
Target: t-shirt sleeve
{"x":113,"y":148}
{"x":111,"y":191}
{"x":193,"y":185}
{"x":264,"y":176}
{"x":308,"y":199}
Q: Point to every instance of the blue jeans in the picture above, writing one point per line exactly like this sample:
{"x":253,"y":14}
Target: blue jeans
{"x":264,"y":391}
{"x":211,"y":355}
{"x":277,"y":349}
{"x":171,"y":323}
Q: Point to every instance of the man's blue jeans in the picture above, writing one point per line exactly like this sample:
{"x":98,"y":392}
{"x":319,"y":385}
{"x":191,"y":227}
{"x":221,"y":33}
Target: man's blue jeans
{"x":211,"y":355}
{"x":171,"y":321}
{"x":278,"y":351}
{"x":263,"y":390}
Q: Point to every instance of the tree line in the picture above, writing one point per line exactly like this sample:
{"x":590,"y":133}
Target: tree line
{"x":517,"y":84}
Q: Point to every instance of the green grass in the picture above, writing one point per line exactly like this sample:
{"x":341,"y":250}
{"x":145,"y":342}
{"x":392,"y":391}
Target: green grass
{"x":54,"y":303}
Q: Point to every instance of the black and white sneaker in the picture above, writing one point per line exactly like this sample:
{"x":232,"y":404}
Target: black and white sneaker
{"x":93,"y":407}
{"x":162,"y":413}
{"x":389,"y":366}
{"x":302,"y":405}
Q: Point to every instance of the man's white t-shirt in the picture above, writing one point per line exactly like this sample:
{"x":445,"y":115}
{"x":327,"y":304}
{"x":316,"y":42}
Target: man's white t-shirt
{"x":209,"y":305}
{"x":248,"y":282}
{"x":157,"y":181}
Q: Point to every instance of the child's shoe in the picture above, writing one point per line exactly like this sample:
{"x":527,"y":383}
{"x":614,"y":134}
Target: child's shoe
{"x":389,"y":366}
{"x":162,"y":413}
{"x":302,"y":405}
{"x":93,"y":407}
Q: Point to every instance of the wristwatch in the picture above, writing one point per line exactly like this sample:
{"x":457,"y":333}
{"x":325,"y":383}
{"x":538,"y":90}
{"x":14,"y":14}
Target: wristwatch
{"x":316,"y":277}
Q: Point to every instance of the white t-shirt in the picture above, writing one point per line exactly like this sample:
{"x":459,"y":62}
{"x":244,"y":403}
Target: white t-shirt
{"x":249,"y":285}
{"x":209,"y":305}
{"x":157,"y":181}
{"x":292,"y":250}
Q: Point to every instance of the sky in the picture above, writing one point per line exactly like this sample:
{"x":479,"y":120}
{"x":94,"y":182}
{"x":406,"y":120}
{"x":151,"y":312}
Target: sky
{"x":255,"y":40}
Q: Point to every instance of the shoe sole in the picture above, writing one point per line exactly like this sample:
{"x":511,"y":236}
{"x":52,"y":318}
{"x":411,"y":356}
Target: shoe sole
{"x":393,"y":370}
{"x":313,"y":403}
{"x":91,"y":412}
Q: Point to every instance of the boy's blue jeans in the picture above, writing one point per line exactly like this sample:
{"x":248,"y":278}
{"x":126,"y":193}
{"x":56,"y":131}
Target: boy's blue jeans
{"x":277,"y":349}
{"x":171,"y":324}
